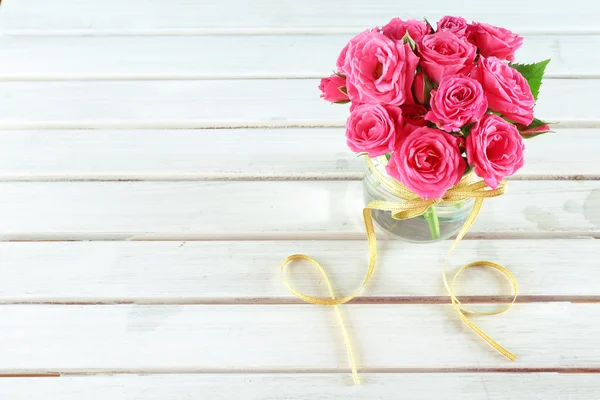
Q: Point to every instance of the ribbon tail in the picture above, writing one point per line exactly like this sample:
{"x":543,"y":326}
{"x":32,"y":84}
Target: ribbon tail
{"x":348,"y":343}
{"x":500,"y":349}
{"x":333,"y":301}
{"x":462,"y":311}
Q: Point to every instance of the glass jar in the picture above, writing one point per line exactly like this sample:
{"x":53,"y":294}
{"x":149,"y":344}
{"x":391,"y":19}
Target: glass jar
{"x":439,"y":222}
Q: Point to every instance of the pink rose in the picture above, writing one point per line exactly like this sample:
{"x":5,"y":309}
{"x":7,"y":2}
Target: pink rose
{"x":494,"y":41}
{"x":444,"y":53}
{"x":378,"y":69}
{"x":374,"y":129}
{"x":458,"y":101}
{"x":397,"y":28}
{"x":456,"y":25}
{"x":331,"y":88}
{"x":429,"y":162}
{"x":341,"y":60}
{"x":506,"y":89}
{"x":495,"y":149}
{"x":413,"y":116}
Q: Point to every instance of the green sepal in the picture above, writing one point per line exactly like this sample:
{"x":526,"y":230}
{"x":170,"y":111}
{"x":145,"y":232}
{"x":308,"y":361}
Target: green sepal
{"x":407,"y":39}
{"x":536,"y":123}
{"x":429,"y":24}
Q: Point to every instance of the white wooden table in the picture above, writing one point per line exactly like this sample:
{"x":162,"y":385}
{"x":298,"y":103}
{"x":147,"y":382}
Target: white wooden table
{"x":158,"y":160}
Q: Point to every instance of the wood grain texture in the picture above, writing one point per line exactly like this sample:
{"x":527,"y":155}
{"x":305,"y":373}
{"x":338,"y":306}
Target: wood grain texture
{"x":257,"y":154}
{"x":254,"y":56}
{"x":473,"y":386}
{"x":152,"y":15}
{"x":222,"y":103}
{"x":288,"y":338}
{"x":267,"y":210}
{"x":99,"y":90}
{"x":247,"y":272}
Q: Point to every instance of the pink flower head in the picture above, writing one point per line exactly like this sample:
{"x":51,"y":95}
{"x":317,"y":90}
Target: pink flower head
{"x":456,"y":25}
{"x":374,"y":129}
{"x":444,"y":53}
{"x":397,"y":28}
{"x":378,"y":69}
{"x":506,"y":89}
{"x":458,"y":101}
{"x":494,"y":41}
{"x":331,"y":88}
{"x":341,"y":60}
{"x":429,"y":162}
{"x":495,"y":148}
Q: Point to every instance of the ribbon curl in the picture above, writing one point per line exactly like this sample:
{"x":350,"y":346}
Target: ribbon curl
{"x":411,"y":207}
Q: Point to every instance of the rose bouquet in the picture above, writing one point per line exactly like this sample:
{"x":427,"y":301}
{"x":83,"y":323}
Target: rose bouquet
{"x":432,"y":109}
{"x":439,"y":115}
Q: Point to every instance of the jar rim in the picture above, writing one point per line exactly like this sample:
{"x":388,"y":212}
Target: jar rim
{"x":397,"y":188}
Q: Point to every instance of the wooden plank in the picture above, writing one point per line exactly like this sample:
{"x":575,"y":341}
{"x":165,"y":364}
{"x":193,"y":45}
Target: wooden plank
{"x":206,"y":154}
{"x":242,"y":272}
{"x":152,"y":15}
{"x":416,"y":386}
{"x":268,"y":210}
{"x":290,"y":338}
{"x":202,"y":57}
{"x":220,"y":103}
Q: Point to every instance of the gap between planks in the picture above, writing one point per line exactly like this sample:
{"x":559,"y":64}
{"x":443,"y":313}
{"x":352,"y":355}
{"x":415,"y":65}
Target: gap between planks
{"x":277,"y":301}
{"x":219,"y":124}
{"x":255,"y":31}
{"x":208,"y":77}
{"x":247,"y":177}
{"x":260,"y":236}
{"x":51,"y":373}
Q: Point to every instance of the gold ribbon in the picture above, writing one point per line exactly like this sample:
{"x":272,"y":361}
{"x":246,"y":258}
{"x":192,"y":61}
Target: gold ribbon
{"x":411,"y":207}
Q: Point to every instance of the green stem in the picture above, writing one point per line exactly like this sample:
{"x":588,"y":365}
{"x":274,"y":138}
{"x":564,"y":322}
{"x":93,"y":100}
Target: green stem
{"x":433,"y":222}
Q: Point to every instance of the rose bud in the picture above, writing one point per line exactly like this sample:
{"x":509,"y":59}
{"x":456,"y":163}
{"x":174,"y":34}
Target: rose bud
{"x":333,"y":89}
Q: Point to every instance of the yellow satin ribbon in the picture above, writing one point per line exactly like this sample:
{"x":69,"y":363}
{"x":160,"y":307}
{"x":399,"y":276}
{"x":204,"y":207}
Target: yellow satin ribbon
{"x":411,"y":207}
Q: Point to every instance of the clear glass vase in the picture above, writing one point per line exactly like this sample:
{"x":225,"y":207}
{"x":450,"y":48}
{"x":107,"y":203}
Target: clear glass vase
{"x":439,"y":222}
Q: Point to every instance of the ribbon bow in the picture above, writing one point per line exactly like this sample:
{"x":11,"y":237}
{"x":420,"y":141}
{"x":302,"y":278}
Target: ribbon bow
{"x":411,"y":207}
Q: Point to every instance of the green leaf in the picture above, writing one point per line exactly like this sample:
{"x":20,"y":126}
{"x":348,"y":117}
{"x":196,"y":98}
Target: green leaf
{"x":465,"y":130}
{"x":407,"y":39}
{"x":388,"y":156}
{"x":533,"y":73}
